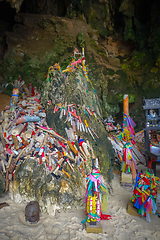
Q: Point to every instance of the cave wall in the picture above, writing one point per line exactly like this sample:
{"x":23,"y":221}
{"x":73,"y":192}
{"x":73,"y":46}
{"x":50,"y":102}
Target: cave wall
{"x":136,"y":21}
{"x":121,"y":45}
{"x":132,"y":18}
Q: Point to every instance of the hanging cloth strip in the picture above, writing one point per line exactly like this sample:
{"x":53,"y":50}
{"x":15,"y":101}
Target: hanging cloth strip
{"x":96,"y":190}
{"x":130,"y":123}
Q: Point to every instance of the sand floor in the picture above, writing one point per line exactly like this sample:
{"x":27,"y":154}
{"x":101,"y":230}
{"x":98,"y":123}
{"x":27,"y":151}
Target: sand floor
{"x":4,"y":101}
{"x":67,"y":225}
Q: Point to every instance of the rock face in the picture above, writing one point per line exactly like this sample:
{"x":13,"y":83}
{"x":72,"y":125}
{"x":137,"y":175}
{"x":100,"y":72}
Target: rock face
{"x":33,"y":181}
{"x":40,"y":39}
{"x":80,"y":92}
{"x":37,"y":41}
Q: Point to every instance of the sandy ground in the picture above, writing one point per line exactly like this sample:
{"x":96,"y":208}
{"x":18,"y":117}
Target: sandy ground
{"x":4,"y":101}
{"x":67,"y":225}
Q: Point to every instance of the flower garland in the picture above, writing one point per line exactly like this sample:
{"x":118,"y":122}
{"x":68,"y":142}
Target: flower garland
{"x":96,"y":198}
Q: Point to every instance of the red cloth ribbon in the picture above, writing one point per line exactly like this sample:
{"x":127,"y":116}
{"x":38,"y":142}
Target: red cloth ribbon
{"x":105,"y":216}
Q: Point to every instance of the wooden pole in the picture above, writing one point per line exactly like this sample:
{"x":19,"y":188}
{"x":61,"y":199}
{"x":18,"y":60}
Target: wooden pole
{"x":125,"y":109}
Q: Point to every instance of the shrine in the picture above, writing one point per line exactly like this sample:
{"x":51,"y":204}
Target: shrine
{"x":151,"y":132}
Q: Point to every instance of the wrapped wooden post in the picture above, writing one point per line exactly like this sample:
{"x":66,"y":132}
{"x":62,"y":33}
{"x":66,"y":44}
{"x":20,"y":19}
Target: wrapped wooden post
{"x":25,"y":89}
{"x":70,"y":165}
{"x":74,"y":150}
{"x":3,"y":166}
{"x":27,"y":153}
{"x":13,"y":161}
{"x":96,"y":201}
{"x":7,"y":181}
{"x":14,"y":98}
{"x":66,"y":173}
{"x":32,"y":141}
{"x":99,"y":160}
{"x":45,"y":139}
{"x":83,"y":173}
{"x":31,"y":89}
{"x":125,"y":109}
{"x":28,"y":134}
{"x":1,"y":136}
{"x":51,"y":132}
{"x":28,"y":119}
{"x":57,"y":167}
{"x":93,"y":158}
{"x":20,"y":154}
{"x":134,"y":174}
{"x":83,"y":153}
{"x":17,"y":130}
{"x":71,"y":158}
{"x":10,"y":159}
{"x":84,"y":145}
{"x":128,"y":160}
{"x":15,"y":141}
{"x":7,"y":173}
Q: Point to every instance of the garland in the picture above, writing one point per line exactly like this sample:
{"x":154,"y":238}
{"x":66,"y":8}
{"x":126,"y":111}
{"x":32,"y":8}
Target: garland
{"x":96,"y":198}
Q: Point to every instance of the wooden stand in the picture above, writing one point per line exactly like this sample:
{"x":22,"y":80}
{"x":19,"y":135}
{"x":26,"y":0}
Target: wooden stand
{"x":131,"y":210}
{"x":94,"y":228}
{"x":126,"y":178}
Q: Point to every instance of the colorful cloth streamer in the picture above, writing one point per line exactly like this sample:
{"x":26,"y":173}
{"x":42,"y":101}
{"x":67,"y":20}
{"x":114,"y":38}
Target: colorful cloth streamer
{"x":128,"y":122}
{"x":96,"y":198}
{"x":127,"y":158}
{"x":144,"y":194}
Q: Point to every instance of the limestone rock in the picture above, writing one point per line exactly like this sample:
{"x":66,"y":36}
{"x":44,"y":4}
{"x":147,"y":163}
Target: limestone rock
{"x":32,"y":182}
{"x":80,"y":92}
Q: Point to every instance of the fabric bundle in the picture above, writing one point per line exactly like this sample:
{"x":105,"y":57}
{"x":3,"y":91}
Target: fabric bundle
{"x":144,"y":194}
{"x":128,"y":163}
{"x":96,"y":198}
{"x":128,"y":122}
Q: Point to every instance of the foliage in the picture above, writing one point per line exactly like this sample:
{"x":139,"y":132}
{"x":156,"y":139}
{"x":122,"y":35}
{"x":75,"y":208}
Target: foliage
{"x":81,"y":40}
{"x":128,"y":31}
